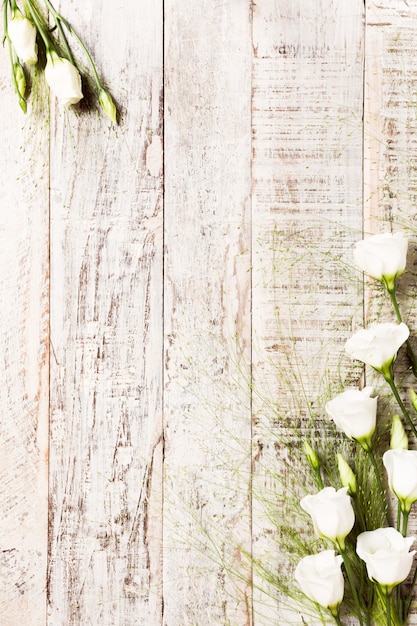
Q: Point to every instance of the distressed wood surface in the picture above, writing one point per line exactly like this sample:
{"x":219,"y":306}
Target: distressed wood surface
{"x":390,"y":183}
{"x":179,"y":288}
{"x":24,"y":324}
{"x":106,"y":341}
{"x":307,"y":198}
{"x":207,"y":313}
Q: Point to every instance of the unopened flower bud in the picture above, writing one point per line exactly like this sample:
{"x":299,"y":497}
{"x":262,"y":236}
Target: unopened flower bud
{"x":347,"y":476}
{"x":23,"y":104}
{"x":311,"y":456}
{"x":20,"y":79}
{"x":413,"y":396}
{"x":20,"y":84}
{"x":108,"y":106}
{"x":399,"y":437}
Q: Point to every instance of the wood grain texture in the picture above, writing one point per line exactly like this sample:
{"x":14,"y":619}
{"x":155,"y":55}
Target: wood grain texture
{"x":390,"y":120}
{"x":201,"y":290}
{"x":106,"y":312}
{"x":24,"y":273}
{"x":390,"y":129}
{"x":307,"y":210}
{"x":390,"y":183}
{"x":207,"y":313}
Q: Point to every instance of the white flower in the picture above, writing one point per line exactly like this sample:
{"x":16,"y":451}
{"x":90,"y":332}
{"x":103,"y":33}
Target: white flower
{"x":386,"y":554}
{"x":320,"y":578}
{"x":378,"y":344}
{"x":401,"y":466}
{"x":382,"y":256}
{"x":354,"y":412}
{"x":332,"y":514}
{"x":22,"y":34}
{"x":64,"y":79}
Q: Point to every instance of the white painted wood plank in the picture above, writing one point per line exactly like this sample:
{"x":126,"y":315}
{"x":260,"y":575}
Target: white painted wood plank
{"x":390,"y":121}
{"x":106,"y":332}
{"x":307,"y":210}
{"x":207,"y":313}
{"x":390,"y":183}
{"x":107,"y":246}
{"x":24,"y":358}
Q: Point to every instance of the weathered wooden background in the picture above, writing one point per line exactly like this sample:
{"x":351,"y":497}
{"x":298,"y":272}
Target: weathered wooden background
{"x":170,"y":287}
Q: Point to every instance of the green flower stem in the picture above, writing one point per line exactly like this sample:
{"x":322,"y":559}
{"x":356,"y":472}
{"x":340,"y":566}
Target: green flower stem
{"x":380,"y":485}
{"x":395,"y":613}
{"x":337,"y":620}
{"x":410,"y":351}
{"x":319,"y":478}
{"x":359,"y":512}
{"x":64,"y":40}
{"x":13,"y":59}
{"x":60,"y":20}
{"x":399,"y":516}
{"x":400,"y":603}
{"x":388,"y":605}
{"x":405,"y":523}
{"x":45,"y":37}
{"x":5,"y":19}
{"x":392,"y":295}
{"x":390,"y":380}
{"x":352,"y":586}
{"x":368,"y":589}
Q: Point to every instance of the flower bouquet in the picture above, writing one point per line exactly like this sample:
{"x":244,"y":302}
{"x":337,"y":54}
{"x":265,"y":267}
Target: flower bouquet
{"x":368,"y":572}
{"x":27,"y":33}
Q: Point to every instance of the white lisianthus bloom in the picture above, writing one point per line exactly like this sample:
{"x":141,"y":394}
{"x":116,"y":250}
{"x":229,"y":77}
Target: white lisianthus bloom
{"x":378,"y":344}
{"x":332,"y":514}
{"x":401,"y":466}
{"x":320,"y":578}
{"x":22,"y":34}
{"x":382,"y":256}
{"x":386,"y":554}
{"x":64,"y":79}
{"x":354,"y":412}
